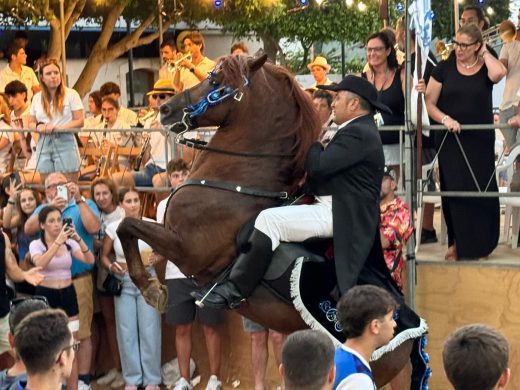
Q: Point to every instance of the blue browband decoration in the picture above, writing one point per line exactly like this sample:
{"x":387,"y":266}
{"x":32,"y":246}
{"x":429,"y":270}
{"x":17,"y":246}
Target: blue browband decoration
{"x":214,"y":96}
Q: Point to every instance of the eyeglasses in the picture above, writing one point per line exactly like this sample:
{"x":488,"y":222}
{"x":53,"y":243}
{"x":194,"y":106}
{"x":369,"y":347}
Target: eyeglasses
{"x":375,"y":49}
{"x":161,"y":96}
{"x":16,"y":301}
{"x":463,"y":46}
{"x":74,"y":346}
{"x":53,"y":186}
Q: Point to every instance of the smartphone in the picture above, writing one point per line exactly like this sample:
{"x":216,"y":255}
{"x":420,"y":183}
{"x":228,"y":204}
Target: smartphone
{"x":62,"y":192}
{"x":67,"y":222}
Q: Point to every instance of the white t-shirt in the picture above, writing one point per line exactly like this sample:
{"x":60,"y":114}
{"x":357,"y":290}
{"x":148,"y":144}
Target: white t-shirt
{"x":172,"y":271}
{"x":188,"y":79}
{"x":106,"y":219}
{"x":72,"y":102}
{"x":111,"y":230}
{"x":27,"y":76}
{"x":5,"y":152}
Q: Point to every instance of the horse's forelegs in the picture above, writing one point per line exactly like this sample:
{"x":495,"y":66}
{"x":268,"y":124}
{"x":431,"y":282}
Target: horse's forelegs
{"x":129,"y":231}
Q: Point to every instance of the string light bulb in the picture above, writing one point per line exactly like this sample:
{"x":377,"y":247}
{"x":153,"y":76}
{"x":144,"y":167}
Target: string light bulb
{"x":362,"y":6}
{"x":349,"y":3}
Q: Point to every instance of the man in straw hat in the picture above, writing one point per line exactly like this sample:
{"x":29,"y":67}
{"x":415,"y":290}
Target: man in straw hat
{"x":319,"y":69}
{"x":346,"y":179}
{"x":151,"y":172}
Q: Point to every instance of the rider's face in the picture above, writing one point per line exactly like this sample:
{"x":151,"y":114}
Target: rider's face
{"x":341,"y":107}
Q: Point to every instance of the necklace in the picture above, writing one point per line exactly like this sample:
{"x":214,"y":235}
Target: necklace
{"x":384,"y":81}
{"x":469,"y":66}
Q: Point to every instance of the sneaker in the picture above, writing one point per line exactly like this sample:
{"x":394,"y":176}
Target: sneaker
{"x":183,"y":384}
{"x":428,"y":236}
{"x":108,"y":377}
{"x":214,"y":383}
{"x":118,"y":381}
{"x":83,"y":386}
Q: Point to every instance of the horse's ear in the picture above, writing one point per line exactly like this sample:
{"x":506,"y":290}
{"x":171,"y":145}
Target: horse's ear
{"x":256,"y":62}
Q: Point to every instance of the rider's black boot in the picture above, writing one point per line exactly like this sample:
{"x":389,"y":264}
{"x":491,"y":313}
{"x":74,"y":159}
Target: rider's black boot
{"x":246,"y":273}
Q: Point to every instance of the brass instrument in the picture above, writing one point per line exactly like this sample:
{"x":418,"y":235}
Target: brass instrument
{"x":102,"y":159}
{"x":140,"y":157}
{"x":173,"y":65}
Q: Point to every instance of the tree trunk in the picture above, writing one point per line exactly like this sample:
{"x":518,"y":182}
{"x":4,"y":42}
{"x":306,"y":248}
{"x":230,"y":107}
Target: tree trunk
{"x":270,"y":47}
{"x":54,"y":49}
{"x":95,"y":61}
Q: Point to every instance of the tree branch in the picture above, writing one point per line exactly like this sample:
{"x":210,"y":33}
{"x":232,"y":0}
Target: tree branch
{"x":131,"y":39}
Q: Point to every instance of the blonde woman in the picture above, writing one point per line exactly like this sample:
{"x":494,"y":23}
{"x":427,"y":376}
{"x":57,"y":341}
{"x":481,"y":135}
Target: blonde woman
{"x":55,"y":110}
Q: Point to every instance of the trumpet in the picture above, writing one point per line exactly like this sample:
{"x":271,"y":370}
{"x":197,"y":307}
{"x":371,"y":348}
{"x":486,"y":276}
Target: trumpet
{"x":173,"y":65}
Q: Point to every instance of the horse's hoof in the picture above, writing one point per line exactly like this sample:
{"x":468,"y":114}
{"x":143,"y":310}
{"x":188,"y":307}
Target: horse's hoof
{"x":156,"y":295}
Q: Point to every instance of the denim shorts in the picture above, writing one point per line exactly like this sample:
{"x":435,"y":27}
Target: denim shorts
{"x":143,"y":178}
{"x":251,"y":326}
{"x":57,"y":153}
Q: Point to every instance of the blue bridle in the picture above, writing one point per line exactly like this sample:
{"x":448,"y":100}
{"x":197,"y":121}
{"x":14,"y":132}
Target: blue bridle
{"x":216,"y":95}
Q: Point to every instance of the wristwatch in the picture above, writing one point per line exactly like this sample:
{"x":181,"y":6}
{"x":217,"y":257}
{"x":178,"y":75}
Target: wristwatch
{"x":80,"y":200}
{"x":192,"y":69}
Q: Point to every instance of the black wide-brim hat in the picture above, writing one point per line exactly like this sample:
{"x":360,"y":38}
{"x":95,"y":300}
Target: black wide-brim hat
{"x":360,"y":87}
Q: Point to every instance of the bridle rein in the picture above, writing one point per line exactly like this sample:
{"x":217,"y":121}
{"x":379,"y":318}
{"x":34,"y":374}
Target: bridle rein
{"x":216,"y":95}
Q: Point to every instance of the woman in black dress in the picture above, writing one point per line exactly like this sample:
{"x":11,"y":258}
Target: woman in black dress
{"x":460,"y":92}
{"x":385,"y":74}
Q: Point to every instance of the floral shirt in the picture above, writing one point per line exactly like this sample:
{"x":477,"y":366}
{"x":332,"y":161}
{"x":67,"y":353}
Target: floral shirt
{"x":396,"y":227}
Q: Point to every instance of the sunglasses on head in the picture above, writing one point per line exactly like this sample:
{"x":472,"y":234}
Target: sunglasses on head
{"x":16,"y":301}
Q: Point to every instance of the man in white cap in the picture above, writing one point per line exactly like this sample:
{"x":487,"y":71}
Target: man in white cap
{"x":319,"y":69}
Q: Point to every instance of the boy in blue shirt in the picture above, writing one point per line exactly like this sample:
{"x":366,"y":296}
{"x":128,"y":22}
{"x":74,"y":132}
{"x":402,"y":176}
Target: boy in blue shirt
{"x":366,"y":316}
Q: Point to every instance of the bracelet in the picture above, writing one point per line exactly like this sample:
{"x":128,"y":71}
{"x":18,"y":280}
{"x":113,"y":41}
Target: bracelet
{"x":444,"y":118}
{"x":11,"y":202}
{"x":78,"y":241}
{"x":484,"y":52}
{"x":192,"y":70}
{"x":85,"y":251}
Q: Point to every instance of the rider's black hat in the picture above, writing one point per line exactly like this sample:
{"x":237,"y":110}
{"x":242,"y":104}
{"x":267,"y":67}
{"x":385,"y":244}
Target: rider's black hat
{"x":360,"y":87}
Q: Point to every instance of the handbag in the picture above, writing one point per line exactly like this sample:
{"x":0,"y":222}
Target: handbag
{"x":112,"y":285}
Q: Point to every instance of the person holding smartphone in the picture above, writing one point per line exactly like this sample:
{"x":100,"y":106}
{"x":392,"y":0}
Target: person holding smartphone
{"x":53,"y":252}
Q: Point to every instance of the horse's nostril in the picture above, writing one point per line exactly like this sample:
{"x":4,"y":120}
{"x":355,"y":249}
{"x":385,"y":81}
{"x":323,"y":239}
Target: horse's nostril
{"x":164,"y":109}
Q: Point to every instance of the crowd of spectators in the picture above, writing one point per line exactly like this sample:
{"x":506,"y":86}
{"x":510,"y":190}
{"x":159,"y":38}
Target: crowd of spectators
{"x":66,"y":246}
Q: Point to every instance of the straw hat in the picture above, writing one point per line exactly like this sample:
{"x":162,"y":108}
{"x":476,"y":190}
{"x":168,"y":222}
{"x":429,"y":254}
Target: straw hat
{"x":319,"y":61}
{"x":162,"y":86}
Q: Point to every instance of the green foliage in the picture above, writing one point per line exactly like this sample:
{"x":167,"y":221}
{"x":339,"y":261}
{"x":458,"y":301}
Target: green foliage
{"x":443,"y":25}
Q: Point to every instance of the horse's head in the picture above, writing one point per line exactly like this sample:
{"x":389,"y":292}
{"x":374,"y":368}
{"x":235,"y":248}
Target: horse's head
{"x":209,"y":102}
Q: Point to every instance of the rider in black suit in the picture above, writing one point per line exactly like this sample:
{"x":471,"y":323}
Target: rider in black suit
{"x":345,"y":176}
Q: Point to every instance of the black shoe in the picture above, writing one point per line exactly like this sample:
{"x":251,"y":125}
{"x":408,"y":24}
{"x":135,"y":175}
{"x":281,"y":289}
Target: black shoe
{"x":224,"y":296}
{"x":428,"y":236}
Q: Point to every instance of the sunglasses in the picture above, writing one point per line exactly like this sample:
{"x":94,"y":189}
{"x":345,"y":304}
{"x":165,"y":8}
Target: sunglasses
{"x":74,"y":346}
{"x":16,"y":301}
{"x":161,"y":96}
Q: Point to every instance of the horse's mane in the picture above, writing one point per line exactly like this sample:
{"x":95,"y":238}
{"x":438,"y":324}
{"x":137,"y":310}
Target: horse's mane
{"x":306,"y":128}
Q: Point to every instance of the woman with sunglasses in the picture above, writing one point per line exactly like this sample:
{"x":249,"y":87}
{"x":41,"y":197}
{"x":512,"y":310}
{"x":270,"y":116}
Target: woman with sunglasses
{"x":20,"y":206}
{"x":460,"y":92}
{"x":55,"y":110}
{"x":385,"y":74}
{"x":138,"y":325}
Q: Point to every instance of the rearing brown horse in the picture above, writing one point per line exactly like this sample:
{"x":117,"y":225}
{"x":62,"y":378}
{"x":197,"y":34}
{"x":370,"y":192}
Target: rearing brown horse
{"x":266,"y":123}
